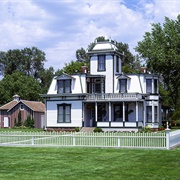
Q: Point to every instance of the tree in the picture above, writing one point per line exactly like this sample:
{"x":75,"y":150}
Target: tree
{"x":46,"y":76}
{"x":71,"y":68}
{"x":28,"y":60}
{"x":29,"y":122}
{"x":19,"y":123}
{"x":18,"y":83}
{"x":160,"y":48}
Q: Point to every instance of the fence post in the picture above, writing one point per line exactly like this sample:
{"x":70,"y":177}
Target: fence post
{"x":118,"y":141}
{"x":167,"y":139}
{"x":74,"y":140}
{"x":32,"y":140}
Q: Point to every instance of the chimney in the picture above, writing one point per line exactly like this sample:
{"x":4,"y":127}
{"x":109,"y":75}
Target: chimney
{"x":143,"y":70}
{"x":84,"y":69}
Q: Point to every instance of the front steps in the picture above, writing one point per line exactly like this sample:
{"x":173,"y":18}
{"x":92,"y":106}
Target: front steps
{"x":87,"y":129}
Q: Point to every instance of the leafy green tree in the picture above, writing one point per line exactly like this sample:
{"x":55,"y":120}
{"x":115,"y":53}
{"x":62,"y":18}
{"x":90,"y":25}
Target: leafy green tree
{"x":15,"y":122}
{"x":29,"y":122}
{"x":71,"y":67}
{"x":28,"y":60}
{"x":19,"y":123}
{"x":46,"y":76}
{"x":18,"y":83}
{"x":160,"y":48}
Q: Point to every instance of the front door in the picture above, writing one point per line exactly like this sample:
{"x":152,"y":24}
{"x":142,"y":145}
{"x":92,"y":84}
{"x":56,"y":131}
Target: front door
{"x":6,"y":122}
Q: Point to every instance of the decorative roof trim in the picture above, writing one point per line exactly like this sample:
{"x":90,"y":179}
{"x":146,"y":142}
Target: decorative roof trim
{"x":123,"y":76}
{"x":64,"y":76}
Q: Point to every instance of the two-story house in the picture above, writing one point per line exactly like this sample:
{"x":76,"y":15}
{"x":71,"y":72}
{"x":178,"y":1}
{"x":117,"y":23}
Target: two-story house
{"x":105,"y":97}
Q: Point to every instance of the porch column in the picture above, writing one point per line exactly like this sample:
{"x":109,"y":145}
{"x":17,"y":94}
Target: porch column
{"x":96,"y":112}
{"x":123,"y":111}
{"x":137,"y":113}
{"x":83,"y":105}
{"x":109,"y":111}
{"x":153,"y":112}
{"x":144,"y":121}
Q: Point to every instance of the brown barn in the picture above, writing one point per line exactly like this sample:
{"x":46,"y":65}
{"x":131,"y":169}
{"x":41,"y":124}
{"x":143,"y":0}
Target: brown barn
{"x":9,"y":112}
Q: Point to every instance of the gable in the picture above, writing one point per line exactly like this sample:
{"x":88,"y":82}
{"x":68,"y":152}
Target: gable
{"x":9,"y":105}
{"x":64,"y":77}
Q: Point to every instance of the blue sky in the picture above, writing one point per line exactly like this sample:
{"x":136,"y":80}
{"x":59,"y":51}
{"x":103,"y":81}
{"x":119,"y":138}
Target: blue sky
{"x":60,"y":27}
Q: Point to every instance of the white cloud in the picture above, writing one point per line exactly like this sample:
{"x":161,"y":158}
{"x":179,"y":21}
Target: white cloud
{"x":59,"y":28}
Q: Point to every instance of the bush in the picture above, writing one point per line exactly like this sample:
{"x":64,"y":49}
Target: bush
{"x":77,"y":129}
{"x":29,"y":122}
{"x":98,"y":130}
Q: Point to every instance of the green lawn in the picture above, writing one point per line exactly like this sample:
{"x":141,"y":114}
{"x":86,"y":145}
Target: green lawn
{"x":88,"y":163}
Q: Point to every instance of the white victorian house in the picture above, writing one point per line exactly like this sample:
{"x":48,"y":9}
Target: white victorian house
{"x":103,"y":97}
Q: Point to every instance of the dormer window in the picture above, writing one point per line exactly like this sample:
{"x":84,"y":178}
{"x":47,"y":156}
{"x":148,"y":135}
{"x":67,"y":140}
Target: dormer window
{"x":101,"y":63}
{"x":148,"y":85}
{"x":155,"y":86}
{"x":123,"y":85}
{"x":64,"y":83}
{"x":64,"y":86}
{"x":152,"y":86}
{"x":123,"y":79}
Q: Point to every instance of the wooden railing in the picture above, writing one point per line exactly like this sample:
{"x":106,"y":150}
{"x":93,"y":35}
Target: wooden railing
{"x":114,"y":96}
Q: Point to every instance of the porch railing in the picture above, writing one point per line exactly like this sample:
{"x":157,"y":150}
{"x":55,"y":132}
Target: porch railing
{"x":114,"y":96}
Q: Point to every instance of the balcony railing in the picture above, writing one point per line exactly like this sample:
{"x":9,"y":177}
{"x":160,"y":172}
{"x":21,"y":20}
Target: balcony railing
{"x":113,"y":96}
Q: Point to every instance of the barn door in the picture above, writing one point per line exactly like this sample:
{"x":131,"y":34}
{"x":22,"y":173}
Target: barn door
{"x":6,"y":122}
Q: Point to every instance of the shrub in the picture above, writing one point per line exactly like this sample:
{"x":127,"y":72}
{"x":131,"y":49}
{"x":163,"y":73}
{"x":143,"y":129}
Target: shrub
{"x":29,"y":122}
{"x":19,"y":123}
{"x":77,"y":129}
{"x":98,"y":130}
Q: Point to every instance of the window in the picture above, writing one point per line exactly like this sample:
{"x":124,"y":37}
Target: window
{"x":155,"y":114}
{"x":148,"y":85}
{"x":155,"y":86}
{"x":64,"y":113}
{"x":118,"y":112}
{"x":117,"y":64}
{"x":97,"y":86}
{"x":64,"y":86}
{"x":123,"y":85}
{"x":21,"y":107}
{"x":101,"y":63}
{"x":149,"y":113}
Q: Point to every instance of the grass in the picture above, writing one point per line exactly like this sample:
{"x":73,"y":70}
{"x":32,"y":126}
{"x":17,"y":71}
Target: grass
{"x":88,"y":163}
{"x":21,"y":129}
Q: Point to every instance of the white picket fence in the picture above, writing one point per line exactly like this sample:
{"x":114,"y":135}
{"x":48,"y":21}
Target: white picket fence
{"x":155,"y":140}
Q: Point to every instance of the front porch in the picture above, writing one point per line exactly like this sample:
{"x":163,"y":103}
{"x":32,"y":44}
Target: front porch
{"x":113,"y":114}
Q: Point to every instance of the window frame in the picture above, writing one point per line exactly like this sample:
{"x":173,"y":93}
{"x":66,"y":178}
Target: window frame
{"x":155,"y":86}
{"x":64,"y":114}
{"x":64,"y":86}
{"x":149,"y":114}
{"x":101,"y":65}
{"x":155,"y":114}
{"x":148,"y":86}
{"x":21,"y":107}
{"x":120,"y":85}
{"x":117,"y":64}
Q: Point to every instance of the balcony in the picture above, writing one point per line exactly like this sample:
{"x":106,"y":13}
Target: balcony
{"x":113,"y":97}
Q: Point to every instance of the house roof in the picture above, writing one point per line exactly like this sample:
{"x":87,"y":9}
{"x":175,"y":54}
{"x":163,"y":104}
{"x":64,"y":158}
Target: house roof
{"x":33,"y":105}
{"x":9,"y":105}
{"x":107,"y":46}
